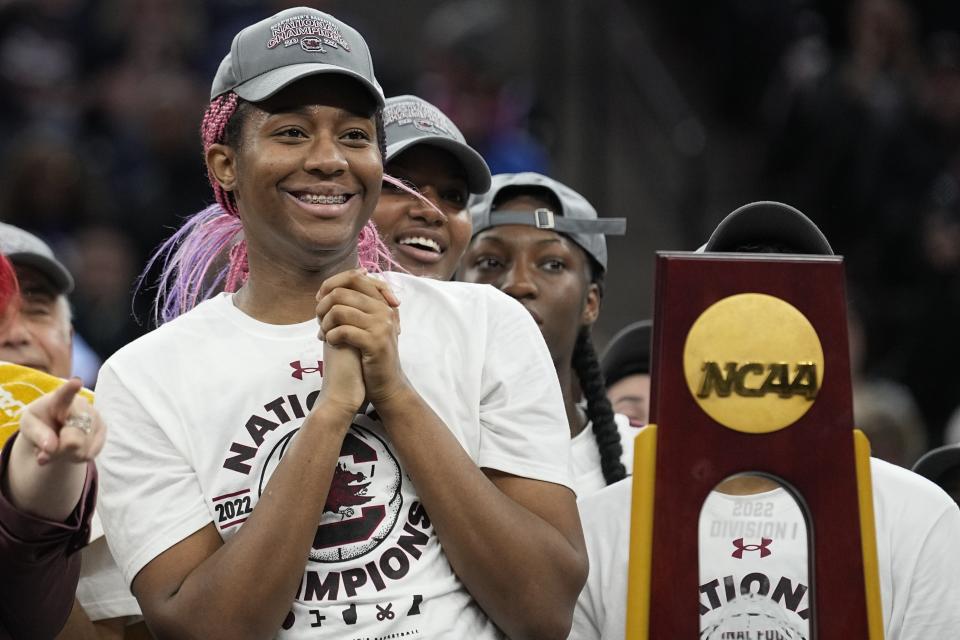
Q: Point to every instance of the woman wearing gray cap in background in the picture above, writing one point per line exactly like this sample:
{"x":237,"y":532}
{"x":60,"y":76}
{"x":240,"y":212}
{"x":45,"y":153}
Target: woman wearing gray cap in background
{"x":542,"y":243}
{"x":428,"y":153}
{"x":372,"y":483}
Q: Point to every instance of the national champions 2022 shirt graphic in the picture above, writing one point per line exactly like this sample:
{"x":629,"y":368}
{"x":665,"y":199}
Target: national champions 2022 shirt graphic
{"x":365,"y":564}
{"x":213,"y":401}
{"x":753,"y":568}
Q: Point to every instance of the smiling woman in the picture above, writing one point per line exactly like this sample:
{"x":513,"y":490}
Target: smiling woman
{"x":364,"y":484}
{"x":305,"y":173}
{"x":426,"y":151}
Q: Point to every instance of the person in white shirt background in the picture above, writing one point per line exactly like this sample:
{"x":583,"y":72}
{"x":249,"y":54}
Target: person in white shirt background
{"x":753,"y":538}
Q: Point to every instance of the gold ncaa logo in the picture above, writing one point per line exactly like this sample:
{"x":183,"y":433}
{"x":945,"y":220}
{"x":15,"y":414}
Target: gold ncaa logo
{"x":753,"y":363}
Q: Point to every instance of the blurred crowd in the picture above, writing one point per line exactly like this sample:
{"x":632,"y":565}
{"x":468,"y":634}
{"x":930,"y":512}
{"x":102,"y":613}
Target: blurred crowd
{"x":103,"y":172}
{"x":853,"y":109}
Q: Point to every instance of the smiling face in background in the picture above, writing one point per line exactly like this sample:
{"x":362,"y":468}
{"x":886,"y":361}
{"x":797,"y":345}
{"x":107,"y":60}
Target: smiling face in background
{"x":546,"y":271}
{"x":38,"y":333}
{"x":425,"y":242}
{"x":306,"y":173}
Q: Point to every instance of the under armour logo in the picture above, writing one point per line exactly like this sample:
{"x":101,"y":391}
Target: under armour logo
{"x":763,"y":547}
{"x":299,"y":369}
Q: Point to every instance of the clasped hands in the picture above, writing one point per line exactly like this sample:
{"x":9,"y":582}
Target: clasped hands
{"x":359,"y":323}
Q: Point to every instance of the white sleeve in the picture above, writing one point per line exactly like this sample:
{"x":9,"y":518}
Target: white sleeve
{"x":102,"y":591}
{"x":926,"y":598}
{"x":150,"y":496}
{"x":601,"y":608}
{"x":523,"y":425}
{"x":628,"y":434}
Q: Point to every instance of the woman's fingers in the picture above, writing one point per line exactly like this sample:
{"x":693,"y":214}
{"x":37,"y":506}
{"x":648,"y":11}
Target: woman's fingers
{"x":40,"y":422}
{"x":388,"y":295}
{"x":40,"y":434}
{"x":344,"y":315}
{"x":56,"y":404}
{"x":85,"y":428}
{"x":63,"y":424}
{"x":349,"y":306}
{"x":349,"y":298}
{"x":359,"y":280}
{"x":348,"y":336}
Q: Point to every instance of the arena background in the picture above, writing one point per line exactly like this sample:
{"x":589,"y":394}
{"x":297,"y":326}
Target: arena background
{"x":668,"y":113}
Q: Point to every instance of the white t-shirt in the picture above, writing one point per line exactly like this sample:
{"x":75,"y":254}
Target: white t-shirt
{"x":202,"y":409}
{"x":753,"y":567}
{"x":585,"y":456}
{"x":917,"y":525}
{"x":102,"y":591}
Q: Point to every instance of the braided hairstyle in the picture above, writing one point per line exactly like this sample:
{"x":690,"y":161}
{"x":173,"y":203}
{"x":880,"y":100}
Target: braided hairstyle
{"x":586,"y":366}
{"x":187,"y":259}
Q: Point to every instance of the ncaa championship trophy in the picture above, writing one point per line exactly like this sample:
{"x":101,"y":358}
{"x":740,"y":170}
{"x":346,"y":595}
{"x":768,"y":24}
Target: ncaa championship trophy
{"x":751,"y":374}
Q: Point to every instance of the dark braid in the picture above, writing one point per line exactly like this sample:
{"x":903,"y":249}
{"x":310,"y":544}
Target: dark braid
{"x":587,"y":368}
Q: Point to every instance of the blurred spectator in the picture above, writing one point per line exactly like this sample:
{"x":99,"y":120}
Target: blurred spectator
{"x":857,"y":136}
{"x":38,"y":335}
{"x":626,"y":370}
{"x":46,"y":186}
{"x":923,"y":309}
{"x":849,"y":110}
{"x":837,"y":119}
{"x":883,"y":409}
{"x":951,"y":434}
{"x":105,"y":264}
{"x":476,"y":86}
{"x":886,"y":412}
{"x":41,"y":64}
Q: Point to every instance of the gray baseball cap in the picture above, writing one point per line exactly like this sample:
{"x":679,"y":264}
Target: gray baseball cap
{"x":293,"y":44}
{"x":577,"y":218}
{"x":409,"y":121}
{"x":25,"y":249}
{"x":768,"y":222}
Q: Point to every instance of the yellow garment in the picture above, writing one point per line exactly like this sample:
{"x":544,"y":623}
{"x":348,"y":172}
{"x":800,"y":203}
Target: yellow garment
{"x":19,"y":386}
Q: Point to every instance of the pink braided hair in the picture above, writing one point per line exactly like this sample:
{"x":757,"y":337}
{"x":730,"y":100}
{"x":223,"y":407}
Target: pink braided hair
{"x":212,"y":131}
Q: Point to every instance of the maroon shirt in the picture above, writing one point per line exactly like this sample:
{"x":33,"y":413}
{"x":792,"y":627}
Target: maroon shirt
{"x":39,"y":563}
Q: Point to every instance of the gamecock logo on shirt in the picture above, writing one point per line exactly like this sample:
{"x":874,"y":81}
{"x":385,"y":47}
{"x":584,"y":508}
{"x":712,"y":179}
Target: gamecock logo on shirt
{"x":364,"y":501}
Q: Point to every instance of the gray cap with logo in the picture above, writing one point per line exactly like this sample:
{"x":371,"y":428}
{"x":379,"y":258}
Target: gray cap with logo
{"x":576,"y":219}
{"x":410,"y":121}
{"x":25,"y":249}
{"x":293,"y":44}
